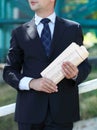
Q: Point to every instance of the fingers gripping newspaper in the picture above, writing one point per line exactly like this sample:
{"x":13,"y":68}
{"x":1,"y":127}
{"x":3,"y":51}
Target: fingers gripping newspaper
{"x":73,"y":53}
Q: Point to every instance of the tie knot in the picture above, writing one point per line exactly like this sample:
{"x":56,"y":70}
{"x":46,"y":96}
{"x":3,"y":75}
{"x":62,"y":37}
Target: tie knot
{"x":45,"y":21}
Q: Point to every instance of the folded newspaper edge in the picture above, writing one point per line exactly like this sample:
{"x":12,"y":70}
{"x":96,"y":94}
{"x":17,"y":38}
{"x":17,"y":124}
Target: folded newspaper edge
{"x":74,"y":53}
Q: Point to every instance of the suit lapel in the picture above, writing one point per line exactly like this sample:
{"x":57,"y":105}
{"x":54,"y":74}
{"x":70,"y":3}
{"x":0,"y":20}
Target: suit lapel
{"x":58,"y":32}
{"x":31,"y":30}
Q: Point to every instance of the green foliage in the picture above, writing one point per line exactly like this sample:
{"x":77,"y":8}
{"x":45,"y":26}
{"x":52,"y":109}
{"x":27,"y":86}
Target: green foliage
{"x":76,"y":1}
{"x":90,"y":39}
{"x":88,"y":105}
{"x":7,"y":94}
{"x":7,"y":123}
{"x":93,"y":74}
{"x":94,"y":15}
{"x":93,"y":51}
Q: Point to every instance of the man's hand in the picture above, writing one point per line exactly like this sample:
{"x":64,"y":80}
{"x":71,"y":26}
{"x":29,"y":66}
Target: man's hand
{"x":44,"y":85}
{"x":69,"y":70}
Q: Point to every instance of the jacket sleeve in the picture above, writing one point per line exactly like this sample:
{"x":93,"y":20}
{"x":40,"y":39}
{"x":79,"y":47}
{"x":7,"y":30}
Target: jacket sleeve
{"x":84,"y":67}
{"x":12,"y":70}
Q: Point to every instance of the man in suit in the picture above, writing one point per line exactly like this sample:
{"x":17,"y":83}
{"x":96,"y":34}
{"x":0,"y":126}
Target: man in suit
{"x":41,"y":104}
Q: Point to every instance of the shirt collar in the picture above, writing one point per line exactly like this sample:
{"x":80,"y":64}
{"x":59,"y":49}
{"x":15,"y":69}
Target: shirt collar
{"x":52,"y":17}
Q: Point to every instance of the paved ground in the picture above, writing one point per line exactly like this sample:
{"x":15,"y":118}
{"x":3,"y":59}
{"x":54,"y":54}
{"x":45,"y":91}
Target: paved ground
{"x":90,"y":124}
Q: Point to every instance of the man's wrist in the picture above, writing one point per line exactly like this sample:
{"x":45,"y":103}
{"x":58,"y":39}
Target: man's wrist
{"x":30,"y":84}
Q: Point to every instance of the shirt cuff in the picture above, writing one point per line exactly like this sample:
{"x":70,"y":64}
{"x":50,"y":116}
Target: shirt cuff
{"x":24,"y":83}
{"x":75,"y":78}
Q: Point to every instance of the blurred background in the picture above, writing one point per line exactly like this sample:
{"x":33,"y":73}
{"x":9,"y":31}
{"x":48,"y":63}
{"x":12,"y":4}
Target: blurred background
{"x":16,"y":12}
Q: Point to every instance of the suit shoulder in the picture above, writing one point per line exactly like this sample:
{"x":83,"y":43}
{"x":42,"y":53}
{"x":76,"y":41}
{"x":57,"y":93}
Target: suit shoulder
{"x":69,"y":22}
{"x":21,"y":27}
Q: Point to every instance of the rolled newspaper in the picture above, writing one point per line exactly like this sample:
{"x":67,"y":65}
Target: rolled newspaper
{"x":74,"y":53}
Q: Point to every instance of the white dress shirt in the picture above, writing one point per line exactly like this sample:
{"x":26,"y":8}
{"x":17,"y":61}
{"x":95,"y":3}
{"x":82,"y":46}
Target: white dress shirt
{"x":24,"y":82}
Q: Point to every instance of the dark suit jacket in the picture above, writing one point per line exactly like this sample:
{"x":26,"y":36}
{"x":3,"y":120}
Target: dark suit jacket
{"x":27,"y":57}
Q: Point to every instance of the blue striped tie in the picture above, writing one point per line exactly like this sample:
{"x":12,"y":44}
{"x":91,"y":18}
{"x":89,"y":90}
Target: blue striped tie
{"x":46,"y":35}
